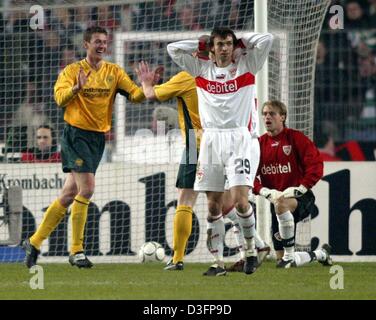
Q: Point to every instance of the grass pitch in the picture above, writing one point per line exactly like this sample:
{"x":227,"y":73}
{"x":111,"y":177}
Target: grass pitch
{"x":151,"y":282}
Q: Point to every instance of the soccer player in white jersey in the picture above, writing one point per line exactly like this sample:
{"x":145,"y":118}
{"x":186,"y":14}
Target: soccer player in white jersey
{"x":229,"y":146}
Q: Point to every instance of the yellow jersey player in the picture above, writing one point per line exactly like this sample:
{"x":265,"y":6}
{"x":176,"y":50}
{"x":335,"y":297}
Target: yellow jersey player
{"x":86,"y":90}
{"x":183,"y":87}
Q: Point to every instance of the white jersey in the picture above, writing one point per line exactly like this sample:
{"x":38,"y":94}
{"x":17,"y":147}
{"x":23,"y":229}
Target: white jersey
{"x":226,"y":95}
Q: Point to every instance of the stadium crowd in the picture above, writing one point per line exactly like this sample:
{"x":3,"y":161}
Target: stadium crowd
{"x":30,"y":61}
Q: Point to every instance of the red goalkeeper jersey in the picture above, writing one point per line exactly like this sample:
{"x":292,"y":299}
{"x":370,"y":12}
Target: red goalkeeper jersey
{"x":288,"y":160}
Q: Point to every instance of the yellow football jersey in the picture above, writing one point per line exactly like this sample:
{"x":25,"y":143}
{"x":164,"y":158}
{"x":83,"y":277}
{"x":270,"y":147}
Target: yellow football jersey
{"x":91,"y":108}
{"x":183,"y":87}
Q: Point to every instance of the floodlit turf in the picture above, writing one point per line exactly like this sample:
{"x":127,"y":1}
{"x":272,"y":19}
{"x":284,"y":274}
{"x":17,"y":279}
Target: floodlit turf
{"x":150,"y":281}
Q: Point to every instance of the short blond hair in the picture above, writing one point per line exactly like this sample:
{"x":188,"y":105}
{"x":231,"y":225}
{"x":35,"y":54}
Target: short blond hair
{"x":279,"y":105}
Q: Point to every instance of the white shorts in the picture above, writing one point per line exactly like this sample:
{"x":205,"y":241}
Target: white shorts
{"x":231,"y":154}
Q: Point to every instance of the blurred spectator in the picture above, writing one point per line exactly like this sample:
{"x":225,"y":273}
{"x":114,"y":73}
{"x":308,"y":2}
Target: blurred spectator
{"x":20,"y":60}
{"x":159,"y":15}
{"x":51,"y":60}
{"x":164,"y":120}
{"x":372,"y":12}
{"x":82,"y":16}
{"x":63,"y":23}
{"x":129,"y":17}
{"x":351,"y":150}
{"x":106,"y":18}
{"x":187,"y":19}
{"x":46,"y":147}
{"x":235,"y":14}
{"x":337,"y":90}
{"x":363,"y":128}
{"x":327,"y":148}
{"x":67,"y":57}
{"x":49,"y":71}
{"x":356,"y":16}
{"x":203,"y":11}
{"x":31,"y":113}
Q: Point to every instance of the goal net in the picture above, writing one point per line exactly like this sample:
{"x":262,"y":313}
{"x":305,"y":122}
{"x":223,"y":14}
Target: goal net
{"x":135,"y":193}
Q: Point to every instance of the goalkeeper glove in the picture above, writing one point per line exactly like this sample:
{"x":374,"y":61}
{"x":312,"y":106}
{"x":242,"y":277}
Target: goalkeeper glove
{"x":295,"y":192}
{"x":271,"y":194}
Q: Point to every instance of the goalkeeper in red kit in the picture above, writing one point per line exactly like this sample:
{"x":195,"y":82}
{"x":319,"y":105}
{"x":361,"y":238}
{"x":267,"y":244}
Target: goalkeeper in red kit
{"x":290,"y":165}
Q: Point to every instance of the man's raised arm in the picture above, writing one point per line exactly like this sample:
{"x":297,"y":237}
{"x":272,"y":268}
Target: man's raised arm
{"x":181,"y":53}
{"x":257,"y":47}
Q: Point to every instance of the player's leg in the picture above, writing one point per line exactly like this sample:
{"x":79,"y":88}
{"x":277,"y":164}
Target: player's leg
{"x":248,"y":224}
{"x":182,"y":227}
{"x":321,"y":255}
{"x":229,"y":212}
{"x":241,"y":167}
{"x":86,"y":184}
{"x":262,"y":248}
{"x":276,"y":238}
{"x":299,"y":258}
{"x":187,"y":197}
{"x":215,"y":233}
{"x":238,"y":266}
{"x":210,"y":178}
{"x":83,"y":153}
{"x":284,"y":208}
{"x":51,"y":219}
{"x":304,"y":209}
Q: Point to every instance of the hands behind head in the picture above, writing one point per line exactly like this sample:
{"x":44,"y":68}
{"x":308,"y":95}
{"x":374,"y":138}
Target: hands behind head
{"x":238,"y":50}
{"x":145,"y":75}
{"x":203,"y":51}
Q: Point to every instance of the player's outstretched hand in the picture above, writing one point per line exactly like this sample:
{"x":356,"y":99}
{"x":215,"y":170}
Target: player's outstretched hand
{"x":295,"y":192}
{"x":144,"y":73}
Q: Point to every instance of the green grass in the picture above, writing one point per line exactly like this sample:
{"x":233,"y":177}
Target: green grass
{"x":150,"y":281}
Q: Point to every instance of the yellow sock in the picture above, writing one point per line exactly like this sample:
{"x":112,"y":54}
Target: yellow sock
{"x":182,"y":231}
{"x":79,"y":215}
{"x":51,"y":219}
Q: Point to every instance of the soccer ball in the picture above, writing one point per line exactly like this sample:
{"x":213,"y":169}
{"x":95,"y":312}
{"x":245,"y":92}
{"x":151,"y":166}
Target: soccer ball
{"x":151,"y":252}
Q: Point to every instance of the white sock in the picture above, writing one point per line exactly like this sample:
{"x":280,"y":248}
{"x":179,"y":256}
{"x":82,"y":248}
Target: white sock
{"x":320,"y":255}
{"x":239,"y":238}
{"x":247,"y":222}
{"x":215,"y":240}
{"x":302,"y":258}
{"x":286,"y":230}
{"x":259,"y":242}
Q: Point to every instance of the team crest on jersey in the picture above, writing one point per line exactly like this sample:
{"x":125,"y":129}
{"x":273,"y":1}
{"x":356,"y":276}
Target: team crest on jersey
{"x":79,"y":162}
{"x":220,"y":76}
{"x":110,"y":79}
{"x":287,"y":150}
{"x":233,"y":72}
